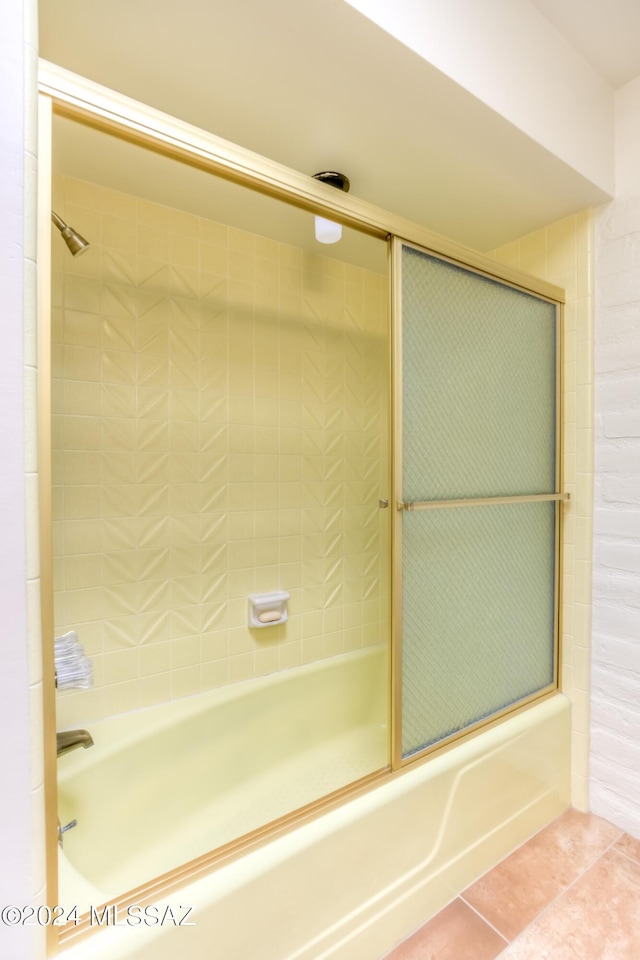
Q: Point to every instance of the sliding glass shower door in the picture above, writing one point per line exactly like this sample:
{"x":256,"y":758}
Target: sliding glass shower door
{"x":477,"y":490}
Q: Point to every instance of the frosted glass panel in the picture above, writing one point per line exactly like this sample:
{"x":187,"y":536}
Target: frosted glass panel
{"x":479,"y":392}
{"x":478,"y":614}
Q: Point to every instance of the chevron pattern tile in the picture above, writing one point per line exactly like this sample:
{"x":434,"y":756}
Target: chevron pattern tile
{"x":221,"y":427}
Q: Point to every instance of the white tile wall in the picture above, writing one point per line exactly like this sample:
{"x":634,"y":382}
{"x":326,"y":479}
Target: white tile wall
{"x":615,"y":712}
{"x":22,"y":877}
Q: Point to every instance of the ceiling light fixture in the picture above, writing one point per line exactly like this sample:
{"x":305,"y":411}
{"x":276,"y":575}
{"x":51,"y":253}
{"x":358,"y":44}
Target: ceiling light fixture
{"x":326,"y":230}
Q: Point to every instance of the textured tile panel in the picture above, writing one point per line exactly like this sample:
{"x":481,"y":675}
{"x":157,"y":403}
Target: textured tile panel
{"x":221,"y":423}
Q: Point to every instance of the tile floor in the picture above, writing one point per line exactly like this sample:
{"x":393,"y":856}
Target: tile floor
{"x":572,"y":892}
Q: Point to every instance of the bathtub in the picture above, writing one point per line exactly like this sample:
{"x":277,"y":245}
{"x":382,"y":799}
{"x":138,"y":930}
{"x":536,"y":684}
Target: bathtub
{"x":169,"y":784}
{"x":347,"y":884}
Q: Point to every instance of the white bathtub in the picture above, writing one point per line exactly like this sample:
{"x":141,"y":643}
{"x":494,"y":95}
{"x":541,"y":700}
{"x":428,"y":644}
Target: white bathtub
{"x":347,"y":885}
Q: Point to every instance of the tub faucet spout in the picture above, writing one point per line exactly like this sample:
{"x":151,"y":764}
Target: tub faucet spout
{"x":70,"y":739}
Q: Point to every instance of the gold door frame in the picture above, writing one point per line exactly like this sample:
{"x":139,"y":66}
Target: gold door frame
{"x":401,"y":506}
{"x":67,"y":94}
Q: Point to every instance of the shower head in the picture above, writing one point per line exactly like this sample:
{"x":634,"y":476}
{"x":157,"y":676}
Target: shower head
{"x":73,"y":240}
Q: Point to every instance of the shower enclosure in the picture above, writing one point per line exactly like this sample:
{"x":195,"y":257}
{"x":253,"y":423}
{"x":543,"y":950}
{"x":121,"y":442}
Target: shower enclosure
{"x":370,"y":428}
{"x":477,"y":464}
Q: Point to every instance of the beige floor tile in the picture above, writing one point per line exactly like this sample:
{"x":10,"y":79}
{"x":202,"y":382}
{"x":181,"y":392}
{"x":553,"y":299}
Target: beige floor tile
{"x":596,"y":919}
{"x":629,"y":846}
{"x":456,"y":933}
{"x":515,"y":892}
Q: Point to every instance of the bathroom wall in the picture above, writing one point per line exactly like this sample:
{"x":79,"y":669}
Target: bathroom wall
{"x":220,"y":428}
{"x":562,"y":253}
{"x":22,"y":877}
{"x":615,"y":728}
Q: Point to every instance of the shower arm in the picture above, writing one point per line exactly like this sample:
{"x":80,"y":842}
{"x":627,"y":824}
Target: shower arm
{"x":59,"y":222}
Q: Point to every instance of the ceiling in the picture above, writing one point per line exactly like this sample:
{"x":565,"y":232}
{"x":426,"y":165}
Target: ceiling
{"x":606,"y":33}
{"x":319,"y":86}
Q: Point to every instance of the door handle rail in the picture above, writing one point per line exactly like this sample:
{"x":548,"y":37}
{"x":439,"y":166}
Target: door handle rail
{"x":480,"y":501}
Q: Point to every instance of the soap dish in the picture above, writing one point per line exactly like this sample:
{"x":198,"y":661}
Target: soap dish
{"x":268,"y":609}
